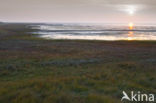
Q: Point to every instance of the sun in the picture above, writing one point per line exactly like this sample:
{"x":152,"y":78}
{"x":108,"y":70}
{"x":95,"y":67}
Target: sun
{"x":130,"y":11}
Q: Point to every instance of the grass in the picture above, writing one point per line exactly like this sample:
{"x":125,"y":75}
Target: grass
{"x":34,"y":70}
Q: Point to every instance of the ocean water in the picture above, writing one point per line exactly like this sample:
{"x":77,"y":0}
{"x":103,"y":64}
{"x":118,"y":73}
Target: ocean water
{"x":108,"y":32}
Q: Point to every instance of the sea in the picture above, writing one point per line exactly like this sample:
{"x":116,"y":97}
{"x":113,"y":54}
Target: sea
{"x":107,"y":32}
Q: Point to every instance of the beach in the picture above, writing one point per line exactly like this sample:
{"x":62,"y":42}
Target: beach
{"x":39,"y":70}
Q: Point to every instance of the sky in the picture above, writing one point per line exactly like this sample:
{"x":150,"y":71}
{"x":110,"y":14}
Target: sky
{"x":81,"y":11}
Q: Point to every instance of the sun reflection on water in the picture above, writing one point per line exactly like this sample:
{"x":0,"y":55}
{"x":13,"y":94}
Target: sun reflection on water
{"x":131,"y":26}
{"x":130,"y":33}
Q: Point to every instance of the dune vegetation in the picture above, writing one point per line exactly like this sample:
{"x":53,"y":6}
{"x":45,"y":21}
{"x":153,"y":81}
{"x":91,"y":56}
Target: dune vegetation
{"x":35,"y":70}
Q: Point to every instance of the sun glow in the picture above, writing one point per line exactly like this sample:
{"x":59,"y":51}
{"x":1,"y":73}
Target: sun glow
{"x":130,"y":9}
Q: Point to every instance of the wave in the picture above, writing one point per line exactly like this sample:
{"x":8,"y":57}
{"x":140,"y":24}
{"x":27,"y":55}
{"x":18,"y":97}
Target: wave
{"x":95,"y":32}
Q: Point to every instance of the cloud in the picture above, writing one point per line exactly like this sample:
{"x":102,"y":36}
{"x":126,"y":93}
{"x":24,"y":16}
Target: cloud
{"x":76,"y":10}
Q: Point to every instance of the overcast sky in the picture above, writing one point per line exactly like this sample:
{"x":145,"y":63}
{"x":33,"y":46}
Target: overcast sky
{"x":100,"y":11}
